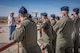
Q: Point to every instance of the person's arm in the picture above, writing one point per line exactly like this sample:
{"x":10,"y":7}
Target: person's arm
{"x":19,"y":33}
{"x":44,"y":25}
{"x":58,"y":25}
{"x":9,"y":20}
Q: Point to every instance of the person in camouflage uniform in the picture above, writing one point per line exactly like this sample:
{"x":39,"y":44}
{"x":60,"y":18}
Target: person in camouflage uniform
{"x":46,"y":39}
{"x":30,"y":18}
{"x":26,"y":33}
{"x":75,"y":33}
{"x":52,"y":19}
{"x":53,"y":22}
{"x":57,"y":18}
{"x":64,"y":29}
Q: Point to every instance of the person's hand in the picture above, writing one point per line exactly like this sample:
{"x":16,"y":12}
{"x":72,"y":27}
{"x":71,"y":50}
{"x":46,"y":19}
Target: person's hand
{"x":18,"y":26}
{"x":43,"y":51}
{"x":41,"y":46}
{"x":38,"y":27}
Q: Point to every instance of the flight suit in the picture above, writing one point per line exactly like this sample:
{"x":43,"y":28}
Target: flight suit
{"x":53,"y":22}
{"x":27,"y":35}
{"x":64,"y":30}
{"x":46,"y":38}
{"x":75,"y":33}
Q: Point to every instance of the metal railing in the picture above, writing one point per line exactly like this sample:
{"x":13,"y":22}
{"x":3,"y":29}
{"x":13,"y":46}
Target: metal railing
{"x":2,"y":48}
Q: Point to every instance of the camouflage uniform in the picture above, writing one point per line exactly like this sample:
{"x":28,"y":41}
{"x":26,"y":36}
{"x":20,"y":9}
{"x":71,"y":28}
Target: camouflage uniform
{"x":27,"y":35}
{"x":64,"y":29}
{"x":46,"y":38}
{"x":75,"y":33}
{"x":53,"y":22}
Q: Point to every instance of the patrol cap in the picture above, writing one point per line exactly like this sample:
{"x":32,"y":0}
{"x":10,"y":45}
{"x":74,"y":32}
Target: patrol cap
{"x":76,"y":10}
{"x":44,"y":14}
{"x":29,"y":15}
{"x":57,"y":17}
{"x":53,"y":15}
{"x":65,"y":8}
{"x":23,"y":10}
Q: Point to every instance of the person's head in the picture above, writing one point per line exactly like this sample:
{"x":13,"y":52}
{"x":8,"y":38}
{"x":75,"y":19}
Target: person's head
{"x":11,"y":14}
{"x":30,"y":16}
{"x":57,"y":18}
{"x":64,"y":11}
{"x":23,"y":12}
{"x":43,"y":16}
{"x":52,"y":17}
{"x":76,"y":11}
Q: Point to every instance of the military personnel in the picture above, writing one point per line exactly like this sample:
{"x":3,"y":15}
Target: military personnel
{"x":52,"y":19}
{"x":46,"y":39}
{"x":30,"y":17}
{"x":57,"y":18}
{"x":64,"y":30}
{"x":75,"y":33}
{"x":26,"y":33}
{"x":53,"y":22}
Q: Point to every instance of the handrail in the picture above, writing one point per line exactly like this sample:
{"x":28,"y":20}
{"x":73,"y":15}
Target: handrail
{"x":7,"y":45}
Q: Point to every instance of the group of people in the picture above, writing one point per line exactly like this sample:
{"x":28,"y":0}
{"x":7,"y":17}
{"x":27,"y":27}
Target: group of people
{"x":58,"y":34}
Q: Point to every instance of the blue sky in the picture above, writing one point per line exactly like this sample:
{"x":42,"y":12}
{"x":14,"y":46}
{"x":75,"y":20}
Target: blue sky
{"x":49,"y":6}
